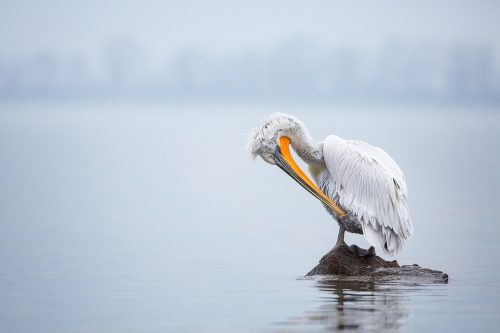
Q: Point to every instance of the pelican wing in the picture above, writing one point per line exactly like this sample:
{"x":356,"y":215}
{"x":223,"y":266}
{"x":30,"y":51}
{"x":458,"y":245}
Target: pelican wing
{"x":372,"y":188}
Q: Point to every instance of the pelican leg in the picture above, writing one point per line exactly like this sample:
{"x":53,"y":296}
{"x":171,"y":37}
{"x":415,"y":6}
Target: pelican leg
{"x":340,"y":237}
{"x":353,"y":248}
{"x":340,"y":242}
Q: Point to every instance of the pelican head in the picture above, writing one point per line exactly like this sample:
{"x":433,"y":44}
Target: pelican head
{"x":264,"y":140}
{"x":272,"y":143}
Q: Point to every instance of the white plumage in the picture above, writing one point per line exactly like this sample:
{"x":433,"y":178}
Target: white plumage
{"x":372,"y":187}
{"x":364,"y":180}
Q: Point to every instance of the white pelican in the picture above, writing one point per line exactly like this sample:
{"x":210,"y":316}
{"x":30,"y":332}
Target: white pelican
{"x":360,"y":185}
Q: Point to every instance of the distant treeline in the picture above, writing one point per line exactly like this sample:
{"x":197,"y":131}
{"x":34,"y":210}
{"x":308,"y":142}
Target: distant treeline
{"x":291,"y":72}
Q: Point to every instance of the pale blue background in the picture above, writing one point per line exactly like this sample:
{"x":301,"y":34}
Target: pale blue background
{"x":127,"y":203}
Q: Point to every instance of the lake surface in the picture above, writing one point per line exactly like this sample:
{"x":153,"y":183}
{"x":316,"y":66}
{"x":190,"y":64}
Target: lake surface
{"x":146,"y":218}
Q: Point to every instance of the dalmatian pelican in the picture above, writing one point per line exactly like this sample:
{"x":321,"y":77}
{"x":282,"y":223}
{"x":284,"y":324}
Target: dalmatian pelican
{"x":360,"y":185}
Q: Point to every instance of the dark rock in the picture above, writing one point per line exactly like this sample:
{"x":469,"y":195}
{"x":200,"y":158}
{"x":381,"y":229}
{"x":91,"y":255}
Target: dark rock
{"x":346,"y":262}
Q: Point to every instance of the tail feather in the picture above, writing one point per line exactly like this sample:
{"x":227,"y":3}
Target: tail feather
{"x":384,"y":238}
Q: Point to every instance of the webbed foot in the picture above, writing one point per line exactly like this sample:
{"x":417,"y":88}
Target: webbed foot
{"x":335,"y":248}
{"x":362,"y":252}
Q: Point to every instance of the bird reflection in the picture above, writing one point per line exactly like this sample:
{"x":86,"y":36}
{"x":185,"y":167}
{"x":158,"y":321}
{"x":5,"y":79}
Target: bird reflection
{"x":354,"y":305}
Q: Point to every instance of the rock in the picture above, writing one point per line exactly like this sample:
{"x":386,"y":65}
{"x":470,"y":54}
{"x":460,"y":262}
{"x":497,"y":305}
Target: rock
{"x":346,"y":263}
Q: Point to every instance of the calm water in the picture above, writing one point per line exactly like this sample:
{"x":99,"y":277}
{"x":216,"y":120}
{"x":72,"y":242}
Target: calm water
{"x":152,"y":219}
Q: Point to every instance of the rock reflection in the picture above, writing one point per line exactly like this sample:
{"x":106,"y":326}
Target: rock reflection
{"x":354,"y":305}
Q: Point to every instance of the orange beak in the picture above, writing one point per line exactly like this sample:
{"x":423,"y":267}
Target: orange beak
{"x":283,"y":158}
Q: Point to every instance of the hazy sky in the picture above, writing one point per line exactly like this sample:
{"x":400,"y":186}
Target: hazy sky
{"x":162,"y":28}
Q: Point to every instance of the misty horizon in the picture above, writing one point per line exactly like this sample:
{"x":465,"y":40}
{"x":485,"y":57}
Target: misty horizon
{"x":297,"y":70}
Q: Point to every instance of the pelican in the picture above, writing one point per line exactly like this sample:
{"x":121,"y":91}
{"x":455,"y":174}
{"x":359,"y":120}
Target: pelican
{"x":360,"y":185}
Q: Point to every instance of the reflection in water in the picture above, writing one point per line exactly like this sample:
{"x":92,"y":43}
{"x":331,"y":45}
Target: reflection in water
{"x":355,"y":305}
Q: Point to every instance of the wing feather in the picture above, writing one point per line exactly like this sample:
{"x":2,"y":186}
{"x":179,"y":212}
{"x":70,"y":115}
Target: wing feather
{"x":372,"y":187}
